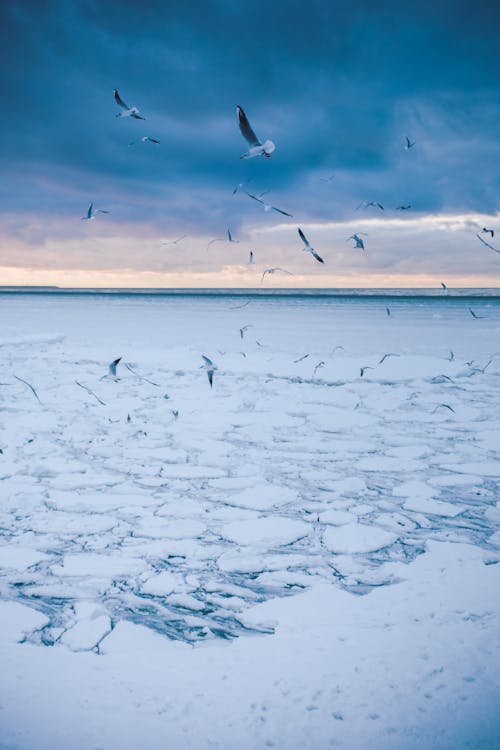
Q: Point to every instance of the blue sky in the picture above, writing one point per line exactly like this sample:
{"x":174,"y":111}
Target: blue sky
{"x":336,"y":85}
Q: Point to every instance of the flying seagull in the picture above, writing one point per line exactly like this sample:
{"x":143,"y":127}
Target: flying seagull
{"x":112,"y":369}
{"x":487,"y":244}
{"x":489,"y":231}
{"x":403,"y":208}
{"x":357,"y":239}
{"x":387,"y":309}
{"x":256,"y":147}
{"x":300,"y":358}
{"x":175,"y":242}
{"x":91,"y":213}
{"x":30,"y":387}
{"x":308,"y":247}
{"x":243,"y":329}
{"x":476,"y":317}
{"x":250,"y":258}
{"x":127,"y":111}
{"x":273,"y":270}
{"x":443,"y":406}
{"x":144,"y":139}
{"x":230,"y":237}
{"x":209,"y":368}
{"x":362,"y":370}
{"x":445,"y":288}
{"x":387,"y":355}
{"x":217,"y":239}
{"x":267,"y":206}
{"x":320,"y":364}
{"x":409,"y":144}
{"x":366,"y":204}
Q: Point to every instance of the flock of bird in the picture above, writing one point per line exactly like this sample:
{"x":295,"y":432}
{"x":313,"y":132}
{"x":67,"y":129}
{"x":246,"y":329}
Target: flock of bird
{"x":257,"y":147}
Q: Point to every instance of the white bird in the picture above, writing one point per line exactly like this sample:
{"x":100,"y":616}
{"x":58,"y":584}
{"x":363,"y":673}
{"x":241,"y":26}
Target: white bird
{"x":216,"y":239}
{"x":230,"y":237}
{"x":366,"y":204}
{"x":267,"y":206}
{"x":256,"y":147}
{"x":209,"y":368}
{"x":126,"y":111}
{"x":91,"y":213}
{"x":308,"y":247}
{"x":250,"y":258}
{"x":144,"y":139}
{"x":384,"y":357}
{"x":409,"y":144}
{"x":273,"y":270}
{"x":487,"y":244}
{"x":357,"y":239}
{"x":112,"y":369}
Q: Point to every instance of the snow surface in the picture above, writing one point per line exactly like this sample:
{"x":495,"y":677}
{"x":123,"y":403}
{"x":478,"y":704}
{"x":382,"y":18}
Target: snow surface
{"x":295,"y":560}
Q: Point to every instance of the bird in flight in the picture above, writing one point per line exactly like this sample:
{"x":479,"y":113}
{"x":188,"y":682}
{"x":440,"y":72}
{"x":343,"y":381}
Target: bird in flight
{"x":366,"y":204}
{"x":91,"y":213}
{"x":387,"y":355}
{"x":209,"y":368}
{"x":256,"y":147}
{"x":445,"y":288}
{"x":127,"y":111}
{"x":476,"y":317}
{"x":403,"y":208}
{"x":230,"y":237}
{"x":243,"y":329}
{"x":308,"y":247}
{"x":273,"y":270}
{"x":250,"y":258}
{"x":362,"y":370}
{"x":443,"y":406}
{"x":409,"y":144}
{"x":487,"y":244}
{"x":267,"y":206}
{"x":357,"y":239}
{"x":489,"y":231}
{"x":111,"y":373}
{"x":144,"y":139}
{"x":388,"y":312}
{"x":175,"y":242}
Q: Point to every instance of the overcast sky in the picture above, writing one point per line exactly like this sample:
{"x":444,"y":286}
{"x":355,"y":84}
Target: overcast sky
{"x":336,"y":84}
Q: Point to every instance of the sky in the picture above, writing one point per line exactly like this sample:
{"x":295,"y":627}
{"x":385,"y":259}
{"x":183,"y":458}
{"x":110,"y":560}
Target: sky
{"x":337,"y":85}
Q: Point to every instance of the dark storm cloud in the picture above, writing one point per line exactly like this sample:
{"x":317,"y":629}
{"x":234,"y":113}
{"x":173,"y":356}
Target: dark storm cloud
{"x":337,"y":85}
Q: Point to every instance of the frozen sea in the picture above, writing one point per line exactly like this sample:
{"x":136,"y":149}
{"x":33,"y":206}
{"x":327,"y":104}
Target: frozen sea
{"x":304,"y":556}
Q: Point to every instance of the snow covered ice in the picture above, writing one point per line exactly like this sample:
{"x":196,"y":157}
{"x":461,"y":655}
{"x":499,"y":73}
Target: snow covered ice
{"x":300,"y":558}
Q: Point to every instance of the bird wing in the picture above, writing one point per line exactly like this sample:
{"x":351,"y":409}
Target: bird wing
{"x":152,"y":140}
{"x":137,"y":116}
{"x":315,"y":255}
{"x":246,"y":129}
{"x":210,"y":374}
{"x":280,"y":211}
{"x":255,"y":198}
{"x":207,"y":360}
{"x":89,"y":211}
{"x":487,"y":243}
{"x":119,"y":100}
{"x":217,"y":239}
{"x":303,"y":238}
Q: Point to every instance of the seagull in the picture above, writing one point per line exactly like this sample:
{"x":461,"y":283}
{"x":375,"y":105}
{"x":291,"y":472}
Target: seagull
{"x":443,"y":406}
{"x":357,"y":239}
{"x":91,"y":213}
{"x":487,"y":243}
{"x":335,"y":348}
{"x":363,"y":369}
{"x":273,"y":270}
{"x":209,"y":368}
{"x":250,"y":258}
{"x":489,"y":231}
{"x":112,"y":369}
{"x":30,"y":387}
{"x":482,"y":369}
{"x":445,"y":288}
{"x":256,"y":147}
{"x":308,"y":246}
{"x":230,"y":237}
{"x":243,"y":329}
{"x":403,"y":208}
{"x":144,"y":139}
{"x":127,"y":111}
{"x":477,"y":317}
{"x":267,"y":206}
{"x":452,"y":356}
{"x":388,"y":312}
{"x":217,"y":239}
{"x":320,"y":364}
{"x":175,"y":242}
{"x":409,"y":144}
{"x":300,"y":358}
{"x":387,"y":355}
{"x":366,"y":204}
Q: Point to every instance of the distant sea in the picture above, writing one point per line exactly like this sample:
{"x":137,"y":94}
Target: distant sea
{"x":466,"y":293}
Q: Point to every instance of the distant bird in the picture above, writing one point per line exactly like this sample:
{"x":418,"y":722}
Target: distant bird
{"x":489,"y":231}
{"x":363,"y":370}
{"x":127,"y":111}
{"x":477,"y":317}
{"x":308,"y":247}
{"x":482,"y":369}
{"x":91,"y":393}
{"x":243,"y":329}
{"x":403,"y":208}
{"x":327,"y":179}
{"x":445,"y":288}
{"x":250,"y":258}
{"x":451,"y":357}
{"x":273,"y":270}
{"x":91,"y":213}
{"x":443,"y":406}
{"x":175,"y":242}
{"x":335,"y":348}
{"x":487,"y":244}
{"x":175,"y":414}
{"x":256,"y":147}
{"x":238,"y":307}
{"x":409,"y":144}
{"x":387,"y":355}
{"x":30,"y":387}
{"x":144,"y":139}
{"x":112,"y":369}
{"x":357,"y":239}
{"x":217,"y":239}
{"x":366,"y":204}
{"x":300,"y":359}
{"x":388,"y":312}
{"x":267,"y":206}
{"x":209,"y":368}
{"x":320,"y":364}
{"x":230,"y":237}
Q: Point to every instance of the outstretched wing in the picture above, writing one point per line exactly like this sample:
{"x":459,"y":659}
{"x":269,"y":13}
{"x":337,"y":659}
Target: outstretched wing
{"x":207,"y":360}
{"x":303,"y":238}
{"x":119,"y":100}
{"x":245,"y":127}
{"x":280,"y":211}
{"x":89,"y":211}
{"x":487,"y":244}
{"x":315,"y":255}
{"x":255,"y":198}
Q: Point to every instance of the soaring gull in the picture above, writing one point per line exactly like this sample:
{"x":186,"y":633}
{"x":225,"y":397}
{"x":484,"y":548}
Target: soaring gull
{"x":175,"y":242}
{"x":111,"y":373}
{"x":489,"y":231}
{"x":91,"y":213}
{"x":403,"y":208}
{"x":357,"y":239}
{"x":250,"y":258}
{"x":366,"y":204}
{"x":487,"y":244}
{"x":267,"y":206}
{"x":409,"y":144}
{"x":244,"y":328}
{"x":144,"y":139}
{"x":209,"y":368}
{"x":230,"y":237}
{"x":476,"y":317}
{"x":445,"y":288}
{"x":256,"y":147}
{"x":308,"y":247}
{"x":273,"y":270}
{"x":126,"y":111}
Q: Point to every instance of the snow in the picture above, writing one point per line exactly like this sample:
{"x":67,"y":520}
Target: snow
{"x":297,"y":560}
